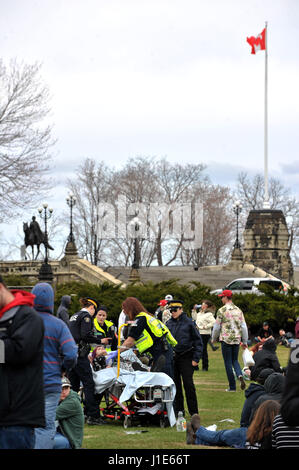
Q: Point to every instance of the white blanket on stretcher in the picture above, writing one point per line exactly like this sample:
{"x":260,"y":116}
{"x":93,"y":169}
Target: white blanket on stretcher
{"x":105,"y":378}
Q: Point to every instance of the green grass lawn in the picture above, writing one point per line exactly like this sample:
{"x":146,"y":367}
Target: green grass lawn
{"x":214,"y":405}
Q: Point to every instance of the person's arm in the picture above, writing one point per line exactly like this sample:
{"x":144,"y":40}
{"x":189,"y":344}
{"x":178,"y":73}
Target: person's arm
{"x":23,"y":344}
{"x":244,"y":333}
{"x":194,"y":314}
{"x":69,"y":349}
{"x":87,"y":330}
{"x":197,"y":345}
{"x":275,"y":364}
{"x":216,"y":329}
{"x":210,"y":321}
{"x":127,"y":344}
{"x":66,"y":409}
{"x":64,"y":316}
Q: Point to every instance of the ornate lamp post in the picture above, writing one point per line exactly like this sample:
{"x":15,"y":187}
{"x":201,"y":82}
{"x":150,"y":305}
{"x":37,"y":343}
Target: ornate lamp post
{"x":45,"y":273}
{"x":237,"y":208}
{"x":71,"y":202}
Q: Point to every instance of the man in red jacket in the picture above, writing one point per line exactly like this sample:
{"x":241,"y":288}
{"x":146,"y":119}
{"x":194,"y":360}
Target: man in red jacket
{"x":21,"y":369}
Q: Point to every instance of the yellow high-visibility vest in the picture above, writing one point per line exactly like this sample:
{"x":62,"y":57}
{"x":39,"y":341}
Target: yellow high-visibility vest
{"x":99,"y":328}
{"x":158,"y":329}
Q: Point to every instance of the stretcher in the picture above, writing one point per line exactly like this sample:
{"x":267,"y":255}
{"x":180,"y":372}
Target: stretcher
{"x":135,"y":396}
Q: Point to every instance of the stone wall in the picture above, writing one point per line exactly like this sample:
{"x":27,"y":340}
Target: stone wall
{"x":266,"y":243}
{"x":66,"y":270}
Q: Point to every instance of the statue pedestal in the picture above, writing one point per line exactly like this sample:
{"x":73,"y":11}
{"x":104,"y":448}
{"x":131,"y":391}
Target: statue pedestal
{"x":71,"y":250}
{"x":45,"y":273}
{"x":236,"y":261}
{"x":266,"y":243}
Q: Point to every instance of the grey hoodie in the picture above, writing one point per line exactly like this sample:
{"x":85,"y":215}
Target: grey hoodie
{"x":62,"y":311}
{"x":274,"y":387}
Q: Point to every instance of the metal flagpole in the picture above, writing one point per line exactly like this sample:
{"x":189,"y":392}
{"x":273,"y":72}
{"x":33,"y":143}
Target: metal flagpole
{"x":266,"y":204}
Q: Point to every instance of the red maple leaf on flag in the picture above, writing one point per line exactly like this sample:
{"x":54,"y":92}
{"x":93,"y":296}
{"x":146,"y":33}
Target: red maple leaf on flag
{"x":257,"y":43}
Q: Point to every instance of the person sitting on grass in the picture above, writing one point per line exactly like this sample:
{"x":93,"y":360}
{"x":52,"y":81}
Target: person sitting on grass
{"x":285,"y":339}
{"x":256,"y":436}
{"x":69,"y":414}
{"x":253,"y":392}
{"x":265,"y":333}
{"x":266,"y":358}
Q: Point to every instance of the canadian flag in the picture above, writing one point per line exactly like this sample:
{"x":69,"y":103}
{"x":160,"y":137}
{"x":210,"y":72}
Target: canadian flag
{"x":258,"y":43}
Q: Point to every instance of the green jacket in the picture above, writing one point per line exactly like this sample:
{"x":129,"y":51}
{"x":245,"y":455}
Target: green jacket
{"x":70,"y":415}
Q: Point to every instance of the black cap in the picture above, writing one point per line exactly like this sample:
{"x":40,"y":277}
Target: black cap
{"x":92,"y":301}
{"x":265,"y":323}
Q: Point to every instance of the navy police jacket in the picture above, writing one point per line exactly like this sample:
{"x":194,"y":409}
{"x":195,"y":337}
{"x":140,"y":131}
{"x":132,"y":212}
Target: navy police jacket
{"x":187,"y":335}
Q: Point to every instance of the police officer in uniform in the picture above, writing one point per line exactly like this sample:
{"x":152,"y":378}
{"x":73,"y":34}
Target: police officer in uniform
{"x":149,"y":335}
{"x":105,"y":330}
{"x":82,"y":329}
{"x":187,"y":354}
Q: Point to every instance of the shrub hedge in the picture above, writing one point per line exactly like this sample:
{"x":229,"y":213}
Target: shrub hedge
{"x":280,"y":310}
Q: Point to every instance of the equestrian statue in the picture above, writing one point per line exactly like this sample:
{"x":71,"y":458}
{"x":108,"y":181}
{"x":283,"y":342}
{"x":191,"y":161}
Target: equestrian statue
{"x":35,"y":236}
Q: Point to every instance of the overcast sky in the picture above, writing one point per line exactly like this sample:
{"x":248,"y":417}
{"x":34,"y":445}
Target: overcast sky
{"x":164,"y":78}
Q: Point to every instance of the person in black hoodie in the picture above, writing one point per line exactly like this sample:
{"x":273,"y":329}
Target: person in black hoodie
{"x":187,"y":354}
{"x":266,"y":358}
{"x":274,"y":387}
{"x":63,"y":309}
{"x":252,"y":393}
{"x":21,"y":369}
{"x":285,"y":433}
{"x":290,"y":399}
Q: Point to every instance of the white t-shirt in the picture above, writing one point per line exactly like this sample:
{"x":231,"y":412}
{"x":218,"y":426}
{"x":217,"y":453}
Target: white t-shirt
{"x":121,"y":321}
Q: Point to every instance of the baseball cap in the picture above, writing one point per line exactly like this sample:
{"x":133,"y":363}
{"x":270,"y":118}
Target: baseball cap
{"x":226,"y":293}
{"x":168,"y":297}
{"x":65,"y":382}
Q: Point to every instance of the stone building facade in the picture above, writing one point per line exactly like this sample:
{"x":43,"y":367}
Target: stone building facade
{"x":266,"y":243}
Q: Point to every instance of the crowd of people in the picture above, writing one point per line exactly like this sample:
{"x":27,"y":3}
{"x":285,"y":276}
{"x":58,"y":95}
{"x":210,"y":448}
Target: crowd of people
{"x":46,"y":359}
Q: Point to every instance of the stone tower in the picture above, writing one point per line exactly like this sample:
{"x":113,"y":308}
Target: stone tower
{"x":266,"y":243}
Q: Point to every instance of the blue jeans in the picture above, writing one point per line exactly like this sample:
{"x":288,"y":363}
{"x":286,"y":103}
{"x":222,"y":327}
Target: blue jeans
{"x":44,"y":437}
{"x":228,"y":437}
{"x":17,"y":437}
{"x":230,"y":356}
{"x":61,"y":442}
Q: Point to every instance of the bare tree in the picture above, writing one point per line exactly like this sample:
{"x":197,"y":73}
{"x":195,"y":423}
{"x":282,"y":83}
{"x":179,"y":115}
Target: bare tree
{"x":177,"y":184}
{"x":146,"y":183}
{"x":137,"y":182}
{"x":91,"y":186}
{"x":24,"y":141}
{"x":218,"y":228}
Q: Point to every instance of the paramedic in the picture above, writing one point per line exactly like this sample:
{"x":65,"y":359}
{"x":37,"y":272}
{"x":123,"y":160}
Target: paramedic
{"x":149,"y":335}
